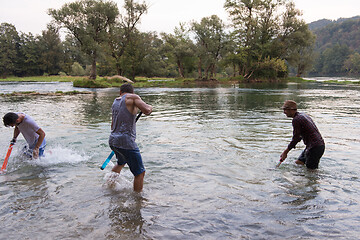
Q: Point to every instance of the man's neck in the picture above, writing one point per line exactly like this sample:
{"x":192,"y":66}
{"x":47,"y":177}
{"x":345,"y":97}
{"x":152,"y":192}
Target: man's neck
{"x":21,"y":117}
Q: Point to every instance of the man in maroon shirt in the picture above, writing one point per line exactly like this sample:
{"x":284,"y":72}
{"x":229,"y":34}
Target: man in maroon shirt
{"x":304,"y":129}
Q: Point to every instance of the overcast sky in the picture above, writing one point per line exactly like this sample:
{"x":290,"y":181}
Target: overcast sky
{"x":165,"y":15}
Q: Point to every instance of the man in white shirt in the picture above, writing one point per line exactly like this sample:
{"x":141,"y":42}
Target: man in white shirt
{"x":32,"y":133}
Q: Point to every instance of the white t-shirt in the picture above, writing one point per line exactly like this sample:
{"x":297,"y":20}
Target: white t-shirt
{"x":28,"y":129}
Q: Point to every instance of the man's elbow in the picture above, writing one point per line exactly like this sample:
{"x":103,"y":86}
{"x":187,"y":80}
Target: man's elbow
{"x":41,"y":133}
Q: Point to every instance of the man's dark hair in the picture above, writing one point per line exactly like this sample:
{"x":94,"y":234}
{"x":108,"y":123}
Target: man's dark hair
{"x":10,"y":118}
{"x":127,"y":88}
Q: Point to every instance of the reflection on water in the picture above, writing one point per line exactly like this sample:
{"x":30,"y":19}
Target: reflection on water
{"x":210,"y":156}
{"x":125,"y":217}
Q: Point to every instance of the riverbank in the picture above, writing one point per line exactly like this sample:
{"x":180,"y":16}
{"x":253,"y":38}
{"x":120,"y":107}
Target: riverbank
{"x":142,"y":82}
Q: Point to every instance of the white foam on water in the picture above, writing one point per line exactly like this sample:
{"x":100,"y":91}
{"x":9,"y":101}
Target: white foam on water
{"x":59,"y":155}
{"x":117,"y":182}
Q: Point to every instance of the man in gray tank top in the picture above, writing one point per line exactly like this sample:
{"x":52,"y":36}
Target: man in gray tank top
{"x":123,"y":133}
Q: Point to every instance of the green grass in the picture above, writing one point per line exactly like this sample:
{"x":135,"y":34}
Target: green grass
{"x":142,"y":82}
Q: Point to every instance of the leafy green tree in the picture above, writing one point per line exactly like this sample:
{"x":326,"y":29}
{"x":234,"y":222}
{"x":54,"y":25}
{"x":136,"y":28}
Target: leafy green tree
{"x":352,"y":64}
{"x":51,"y":51}
{"x":137,"y":50}
{"x":9,"y":40}
{"x":210,"y":40}
{"x":334,"y":59}
{"x":296,"y":41}
{"x":29,"y":55}
{"x":255,"y":23}
{"x":77,"y":69}
{"x":89,"y":21}
{"x":267,"y":28}
{"x":153,"y":64}
{"x":122,"y":33}
{"x":180,"y":49}
{"x":72,"y":53}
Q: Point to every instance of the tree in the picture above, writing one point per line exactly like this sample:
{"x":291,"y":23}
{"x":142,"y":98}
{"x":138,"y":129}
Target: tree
{"x":89,"y":21}
{"x":51,"y":51}
{"x":262,"y":33}
{"x":179,"y":49}
{"x":334,"y":59}
{"x":28,"y":57}
{"x":72,"y":53}
{"x":352,"y":64}
{"x":296,"y":41}
{"x":9,"y":40}
{"x":255,"y":23}
{"x":210,"y":39}
{"x":122,"y":33}
{"x":153,"y":63}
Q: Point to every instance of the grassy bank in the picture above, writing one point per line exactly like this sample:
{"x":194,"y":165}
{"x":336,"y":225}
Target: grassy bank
{"x":140,"y":82}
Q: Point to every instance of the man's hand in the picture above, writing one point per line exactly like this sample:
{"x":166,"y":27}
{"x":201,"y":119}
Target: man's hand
{"x":283,"y":156}
{"x":36,"y":153}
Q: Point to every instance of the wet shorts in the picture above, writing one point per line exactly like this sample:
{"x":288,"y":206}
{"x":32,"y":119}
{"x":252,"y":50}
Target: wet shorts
{"x":131,"y":157}
{"x":29,"y":152}
{"x":311,"y":157}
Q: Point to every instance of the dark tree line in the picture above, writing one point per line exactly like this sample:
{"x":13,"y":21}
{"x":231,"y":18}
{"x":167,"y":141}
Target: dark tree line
{"x":265,"y":38}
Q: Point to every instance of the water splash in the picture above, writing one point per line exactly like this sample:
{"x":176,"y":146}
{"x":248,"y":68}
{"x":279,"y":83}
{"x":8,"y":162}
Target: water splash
{"x":117,"y":182}
{"x":57,"y":155}
{"x":60,"y":155}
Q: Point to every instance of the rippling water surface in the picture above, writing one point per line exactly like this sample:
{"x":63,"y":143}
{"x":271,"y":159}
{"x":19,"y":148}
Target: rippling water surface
{"x":210,"y":155}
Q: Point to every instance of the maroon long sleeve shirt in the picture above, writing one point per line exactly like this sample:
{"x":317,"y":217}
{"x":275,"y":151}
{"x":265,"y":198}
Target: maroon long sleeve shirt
{"x":305,"y":129}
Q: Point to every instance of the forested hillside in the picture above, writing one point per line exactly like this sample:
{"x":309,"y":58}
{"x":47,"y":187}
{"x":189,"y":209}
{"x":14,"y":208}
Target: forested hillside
{"x":337,"y":47}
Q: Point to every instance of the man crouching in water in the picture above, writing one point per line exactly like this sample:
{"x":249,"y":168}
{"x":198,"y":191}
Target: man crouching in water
{"x":304,"y":128}
{"x":33,"y":134}
{"x":123,"y":133}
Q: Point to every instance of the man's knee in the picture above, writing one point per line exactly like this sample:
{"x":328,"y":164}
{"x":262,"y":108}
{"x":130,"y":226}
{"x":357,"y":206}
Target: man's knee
{"x":141,"y":175}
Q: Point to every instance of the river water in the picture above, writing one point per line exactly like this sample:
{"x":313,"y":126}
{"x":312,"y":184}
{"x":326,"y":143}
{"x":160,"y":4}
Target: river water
{"x":210,"y":155}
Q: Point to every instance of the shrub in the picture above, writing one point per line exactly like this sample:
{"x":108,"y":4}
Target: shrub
{"x":77,"y":70}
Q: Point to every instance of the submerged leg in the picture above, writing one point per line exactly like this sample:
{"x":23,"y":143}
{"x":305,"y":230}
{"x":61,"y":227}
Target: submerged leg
{"x":139,"y":182}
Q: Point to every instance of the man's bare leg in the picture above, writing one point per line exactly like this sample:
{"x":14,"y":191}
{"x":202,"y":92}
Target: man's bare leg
{"x":139,"y":182}
{"x":117,"y":168}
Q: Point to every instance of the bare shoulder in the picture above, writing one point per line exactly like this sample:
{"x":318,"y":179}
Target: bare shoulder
{"x":132,"y":96}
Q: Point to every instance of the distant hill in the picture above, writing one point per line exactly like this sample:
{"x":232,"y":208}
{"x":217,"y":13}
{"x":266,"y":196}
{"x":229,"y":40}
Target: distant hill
{"x":319,"y":24}
{"x":324,"y":22}
{"x":344,"y":31}
{"x":337,"y":47}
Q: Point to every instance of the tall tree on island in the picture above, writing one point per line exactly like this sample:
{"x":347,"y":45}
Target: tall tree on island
{"x":89,"y":21}
{"x":266,"y":30}
{"x":124,"y":32}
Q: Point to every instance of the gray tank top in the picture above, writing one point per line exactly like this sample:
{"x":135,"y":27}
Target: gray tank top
{"x":123,"y":132}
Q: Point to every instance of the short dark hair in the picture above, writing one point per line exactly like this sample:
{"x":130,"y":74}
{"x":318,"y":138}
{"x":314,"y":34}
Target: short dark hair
{"x":127,"y":88}
{"x":10,"y":118}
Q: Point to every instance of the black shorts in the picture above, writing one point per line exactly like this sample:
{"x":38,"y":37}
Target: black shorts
{"x":311,"y":157}
{"x":131,"y":157}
